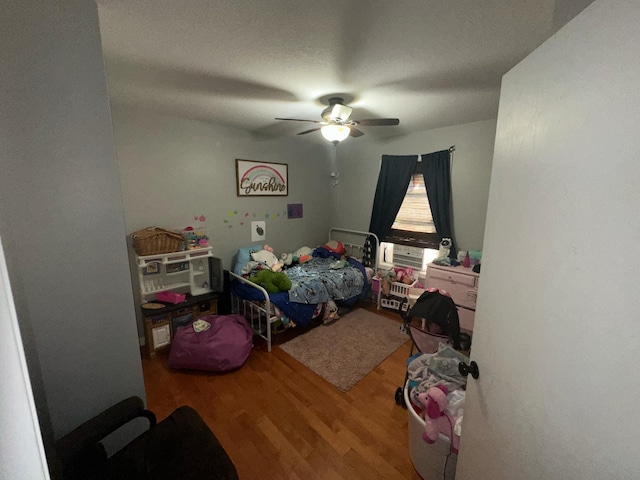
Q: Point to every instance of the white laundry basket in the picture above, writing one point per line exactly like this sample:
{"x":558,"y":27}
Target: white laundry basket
{"x":430,"y":461}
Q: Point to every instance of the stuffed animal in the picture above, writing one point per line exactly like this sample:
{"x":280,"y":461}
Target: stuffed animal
{"x":267,"y":258}
{"x":436,"y":420}
{"x":386,"y":279}
{"x":443,"y":252}
{"x":335,"y":246}
{"x":287,"y":258}
{"x":272,"y":282}
{"x":301,"y":255}
{"x":404,"y":275}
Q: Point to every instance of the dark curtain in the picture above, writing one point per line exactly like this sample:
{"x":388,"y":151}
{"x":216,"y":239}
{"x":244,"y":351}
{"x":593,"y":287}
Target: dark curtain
{"x":395,"y":175}
{"x":436,"y":169}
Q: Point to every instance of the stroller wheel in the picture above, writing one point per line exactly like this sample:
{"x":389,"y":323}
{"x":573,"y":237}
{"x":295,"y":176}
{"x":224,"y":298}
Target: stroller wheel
{"x":400,"y":397}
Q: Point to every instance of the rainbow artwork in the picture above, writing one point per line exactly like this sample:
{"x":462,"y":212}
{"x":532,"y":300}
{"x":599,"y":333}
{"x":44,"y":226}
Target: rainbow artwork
{"x":259,"y":178}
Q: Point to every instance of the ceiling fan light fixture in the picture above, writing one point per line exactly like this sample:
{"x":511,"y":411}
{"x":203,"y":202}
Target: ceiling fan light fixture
{"x":337,"y":113}
{"x":335,"y":133}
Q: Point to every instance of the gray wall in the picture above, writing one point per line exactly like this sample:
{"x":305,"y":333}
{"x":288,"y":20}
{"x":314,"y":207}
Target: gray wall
{"x":358,"y":163}
{"x":61,"y":216}
{"x":174,"y":169}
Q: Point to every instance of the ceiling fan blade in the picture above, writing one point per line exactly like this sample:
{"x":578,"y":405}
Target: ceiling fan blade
{"x":355,"y":132}
{"x":300,"y":120}
{"x":375,"y":122}
{"x":309,"y":131}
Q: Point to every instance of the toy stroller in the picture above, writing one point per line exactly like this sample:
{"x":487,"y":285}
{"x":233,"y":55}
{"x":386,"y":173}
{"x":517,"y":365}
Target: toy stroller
{"x":432,"y":320}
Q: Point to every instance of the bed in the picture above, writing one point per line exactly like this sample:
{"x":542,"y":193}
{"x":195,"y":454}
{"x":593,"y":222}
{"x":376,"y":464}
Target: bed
{"x":327,"y":277}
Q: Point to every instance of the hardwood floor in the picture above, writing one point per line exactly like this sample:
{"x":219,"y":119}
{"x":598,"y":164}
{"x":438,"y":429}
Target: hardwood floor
{"x":279,"y":420}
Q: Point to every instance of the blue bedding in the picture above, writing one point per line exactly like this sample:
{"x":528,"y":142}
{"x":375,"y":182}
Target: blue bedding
{"x":320,"y":279}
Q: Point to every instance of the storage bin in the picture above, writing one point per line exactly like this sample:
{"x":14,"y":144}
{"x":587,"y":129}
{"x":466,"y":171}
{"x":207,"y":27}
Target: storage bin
{"x":196,"y":238}
{"x":154,"y":241}
{"x":171,"y":297}
{"x":375,"y":285}
{"x":430,"y":461}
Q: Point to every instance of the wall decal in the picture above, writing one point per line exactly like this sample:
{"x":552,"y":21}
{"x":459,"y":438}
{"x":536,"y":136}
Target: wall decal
{"x":261,"y":178}
{"x":294,"y":210}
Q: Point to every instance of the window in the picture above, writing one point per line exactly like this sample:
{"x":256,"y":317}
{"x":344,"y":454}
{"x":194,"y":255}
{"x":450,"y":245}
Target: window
{"x":413,"y":224}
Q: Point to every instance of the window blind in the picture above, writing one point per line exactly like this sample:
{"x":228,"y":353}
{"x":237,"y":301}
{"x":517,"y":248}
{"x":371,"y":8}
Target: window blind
{"x":415,"y":212}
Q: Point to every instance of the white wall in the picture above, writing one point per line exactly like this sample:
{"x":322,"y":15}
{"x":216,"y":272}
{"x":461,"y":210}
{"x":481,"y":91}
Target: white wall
{"x":358,"y":162}
{"x":556,"y":328}
{"x":61,"y":214}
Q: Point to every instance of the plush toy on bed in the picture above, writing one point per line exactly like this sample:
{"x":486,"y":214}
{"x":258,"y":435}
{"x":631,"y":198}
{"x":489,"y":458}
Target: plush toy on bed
{"x":301,"y":255}
{"x":436,"y":420}
{"x":272,"y":282}
{"x":335,"y":246}
{"x":267,"y":258}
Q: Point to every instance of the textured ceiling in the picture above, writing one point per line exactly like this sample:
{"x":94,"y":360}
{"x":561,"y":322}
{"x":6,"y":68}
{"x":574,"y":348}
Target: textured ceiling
{"x":430,"y":63}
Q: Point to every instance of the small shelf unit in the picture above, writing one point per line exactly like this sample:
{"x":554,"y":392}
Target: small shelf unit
{"x":183,"y":272}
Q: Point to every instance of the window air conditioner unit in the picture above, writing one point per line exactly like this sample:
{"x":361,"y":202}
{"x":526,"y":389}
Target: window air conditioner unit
{"x":405,"y":256}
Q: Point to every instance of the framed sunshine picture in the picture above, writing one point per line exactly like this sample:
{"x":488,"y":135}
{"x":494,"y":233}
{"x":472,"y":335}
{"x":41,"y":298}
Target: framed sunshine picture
{"x":254,"y":179}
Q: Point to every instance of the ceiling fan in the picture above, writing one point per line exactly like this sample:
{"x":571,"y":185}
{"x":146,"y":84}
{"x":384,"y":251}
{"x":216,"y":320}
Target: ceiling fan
{"x":336,"y":125}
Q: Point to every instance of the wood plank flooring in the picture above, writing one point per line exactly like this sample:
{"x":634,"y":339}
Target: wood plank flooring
{"x":279,"y":420}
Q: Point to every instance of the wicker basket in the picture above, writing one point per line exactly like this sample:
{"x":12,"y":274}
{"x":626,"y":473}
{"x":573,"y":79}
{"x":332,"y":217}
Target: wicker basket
{"x":154,"y":240}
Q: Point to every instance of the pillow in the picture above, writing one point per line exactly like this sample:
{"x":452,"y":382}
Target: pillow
{"x":243,"y":257}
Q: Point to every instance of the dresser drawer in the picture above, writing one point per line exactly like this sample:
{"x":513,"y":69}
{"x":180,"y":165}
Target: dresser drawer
{"x":460,"y":286}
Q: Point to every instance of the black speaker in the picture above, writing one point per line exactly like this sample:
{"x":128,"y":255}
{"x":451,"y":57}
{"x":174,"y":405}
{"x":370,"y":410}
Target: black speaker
{"x":215,"y":273}
{"x":224,"y":300}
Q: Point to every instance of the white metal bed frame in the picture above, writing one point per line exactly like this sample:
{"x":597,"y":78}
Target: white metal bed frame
{"x":258,"y":315}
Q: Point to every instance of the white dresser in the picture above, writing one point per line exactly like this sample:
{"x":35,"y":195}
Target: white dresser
{"x":462,"y":284}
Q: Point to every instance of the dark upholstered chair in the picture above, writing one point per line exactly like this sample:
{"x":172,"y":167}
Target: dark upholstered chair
{"x":180,"y":447}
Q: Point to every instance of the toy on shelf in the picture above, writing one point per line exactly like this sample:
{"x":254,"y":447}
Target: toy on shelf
{"x":195,"y":238}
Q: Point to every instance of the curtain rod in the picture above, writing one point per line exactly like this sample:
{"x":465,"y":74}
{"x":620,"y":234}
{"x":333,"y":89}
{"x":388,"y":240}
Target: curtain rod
{"x":451,"y":149}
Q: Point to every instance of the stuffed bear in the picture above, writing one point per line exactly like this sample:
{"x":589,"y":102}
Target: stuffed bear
{"x":272,"y":282}
{"x":436,"y":420}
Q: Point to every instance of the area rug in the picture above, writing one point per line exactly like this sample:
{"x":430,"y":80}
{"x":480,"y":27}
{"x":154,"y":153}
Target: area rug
{"x":345,"y":351}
